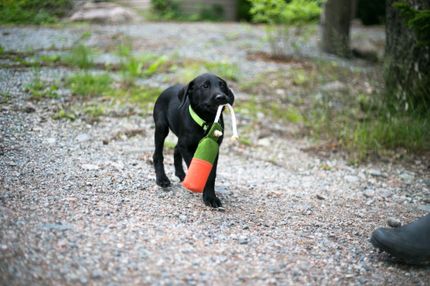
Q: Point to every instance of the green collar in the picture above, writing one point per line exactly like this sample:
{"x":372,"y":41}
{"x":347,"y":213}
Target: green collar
{"x":197,"y":118}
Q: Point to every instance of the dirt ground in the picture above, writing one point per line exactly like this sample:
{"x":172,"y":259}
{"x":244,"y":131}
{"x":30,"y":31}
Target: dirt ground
{"x":79,"y":204}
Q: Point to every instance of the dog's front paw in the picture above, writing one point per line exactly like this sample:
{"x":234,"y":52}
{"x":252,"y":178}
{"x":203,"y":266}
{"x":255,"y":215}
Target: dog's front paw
{"x":180,"y":175}
{"x":211,"y":200}
{"x":163,"y":182}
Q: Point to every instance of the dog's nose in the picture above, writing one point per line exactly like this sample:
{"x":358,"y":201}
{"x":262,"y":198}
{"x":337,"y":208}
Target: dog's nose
{"x":221,"y":98}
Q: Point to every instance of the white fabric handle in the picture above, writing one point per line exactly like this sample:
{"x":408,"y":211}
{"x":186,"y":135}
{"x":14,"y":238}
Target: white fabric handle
{"x":233,"y":119}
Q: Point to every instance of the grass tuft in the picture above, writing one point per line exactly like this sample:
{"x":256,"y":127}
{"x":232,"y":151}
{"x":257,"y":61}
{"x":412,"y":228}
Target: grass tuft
{"x":192,"y":69}
{"x":63,"y":114}
{"x":94,"y":111}
{"x":40,"y":89}
{"x":87,"y":84}
{"x":80,"y":56}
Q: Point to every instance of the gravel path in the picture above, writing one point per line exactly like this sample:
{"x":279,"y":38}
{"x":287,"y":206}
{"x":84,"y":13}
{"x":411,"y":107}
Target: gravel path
{"x":76,"y":211}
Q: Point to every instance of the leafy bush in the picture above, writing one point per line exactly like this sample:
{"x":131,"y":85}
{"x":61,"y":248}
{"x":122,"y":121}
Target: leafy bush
{"x":243,"y":10}
{"x":86,"y":84}
{"x":281,"y":16}
{"x":214,"y":12}
{"x":171,"y":10}
{"x":416,"y":20}
{"x":33,"y":11}
{"x":166,"y":9}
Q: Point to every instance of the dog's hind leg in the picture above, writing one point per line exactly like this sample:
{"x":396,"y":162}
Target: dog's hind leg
{"x":161,"y":132}
{"x":179,"y":169}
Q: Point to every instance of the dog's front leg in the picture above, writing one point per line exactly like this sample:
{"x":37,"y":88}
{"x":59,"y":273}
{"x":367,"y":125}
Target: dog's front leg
{"x":209,"y":196}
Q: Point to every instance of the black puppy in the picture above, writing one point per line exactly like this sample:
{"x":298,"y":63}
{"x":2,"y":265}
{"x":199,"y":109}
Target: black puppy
{"x":171,"y":111}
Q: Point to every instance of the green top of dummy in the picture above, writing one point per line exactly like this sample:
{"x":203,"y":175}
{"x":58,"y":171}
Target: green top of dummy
{"x":208,"y":147}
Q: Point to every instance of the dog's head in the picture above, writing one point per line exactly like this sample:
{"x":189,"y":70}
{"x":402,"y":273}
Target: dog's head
{"x":206,"y":92}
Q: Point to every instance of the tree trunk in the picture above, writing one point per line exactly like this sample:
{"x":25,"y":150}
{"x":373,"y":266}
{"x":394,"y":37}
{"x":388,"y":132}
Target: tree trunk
{"x":407,"y":64}
{"x":335,"y":24}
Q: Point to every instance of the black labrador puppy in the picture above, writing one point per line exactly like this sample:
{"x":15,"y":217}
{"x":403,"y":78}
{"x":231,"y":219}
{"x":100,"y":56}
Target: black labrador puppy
{"x":171,"y":111}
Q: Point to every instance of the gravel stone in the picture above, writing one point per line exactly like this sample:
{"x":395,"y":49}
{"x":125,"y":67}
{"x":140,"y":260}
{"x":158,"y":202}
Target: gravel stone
{"x":369,"y":193}
{"x":243,"y":240}
{"x":83,"y":137}
{"x":90,"y":167}
{"x":407,"y":177}
{"x":393,"y":222}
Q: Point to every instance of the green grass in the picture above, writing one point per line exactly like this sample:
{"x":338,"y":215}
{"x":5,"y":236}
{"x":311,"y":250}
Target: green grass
{"x":133,"y":67}
{"x":366,"y":126}
{"x":80,"y":56}
{"x":51,"y":59}
{"x":87,"y":84}
{"x":169,"y":145}
{"x":141,"y":96}
{"x":276,"y":111}
{"x":245,"y":140}
{"x":40,"y":89}
{"x":63,"y":114}
{"x":4,"y":97}
{"x":353,"y":116}
{"x":387,"y":132}
{"x":191,"y":69}
{"x":94,"y":111}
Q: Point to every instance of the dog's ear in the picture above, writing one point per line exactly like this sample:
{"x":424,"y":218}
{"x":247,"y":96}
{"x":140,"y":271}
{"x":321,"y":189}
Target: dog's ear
{"x":231,"y":96}
{"x":229,"y":92}
{"x":184,"y":93}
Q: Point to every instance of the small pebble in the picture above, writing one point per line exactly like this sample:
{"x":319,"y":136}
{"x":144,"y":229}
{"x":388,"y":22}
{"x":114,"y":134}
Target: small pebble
{"x":320,"y":197}
{"x":393,"y":222}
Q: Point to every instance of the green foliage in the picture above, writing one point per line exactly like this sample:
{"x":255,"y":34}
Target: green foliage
{"x":243,"y":10}
{"x":281,"y":16}
{"x":368,"y":126}
{"x":94,"y":111}
{"x":86,"y":84}
{"x":49,"y":59}
{"x":223,"y":69}
{"x":169,"y":145}
{"x":166,"y":9}
{"x":40,"y":89}
{"x":392,"y":131}
{"x":416,"y":20}
{"x":292,"y":12}
{"x":349,"y":114}
{"x":63,"y":114}
{"x":80,"y":56}
{"x":214,"y":12}
{"x":33,"y":11}
{"x":4,"y":97}
{"x":170,"y":10}
{"x":134,"y":66}
{"x":141,"y":96}
{"x":155,"y":66}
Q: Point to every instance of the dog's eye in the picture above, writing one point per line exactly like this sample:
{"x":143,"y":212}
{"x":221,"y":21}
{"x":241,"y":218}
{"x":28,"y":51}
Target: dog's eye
{"x":205,"y":85}
{"x":222,"y":84}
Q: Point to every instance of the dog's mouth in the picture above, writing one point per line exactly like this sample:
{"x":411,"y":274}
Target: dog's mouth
{"x":215,"y":103}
